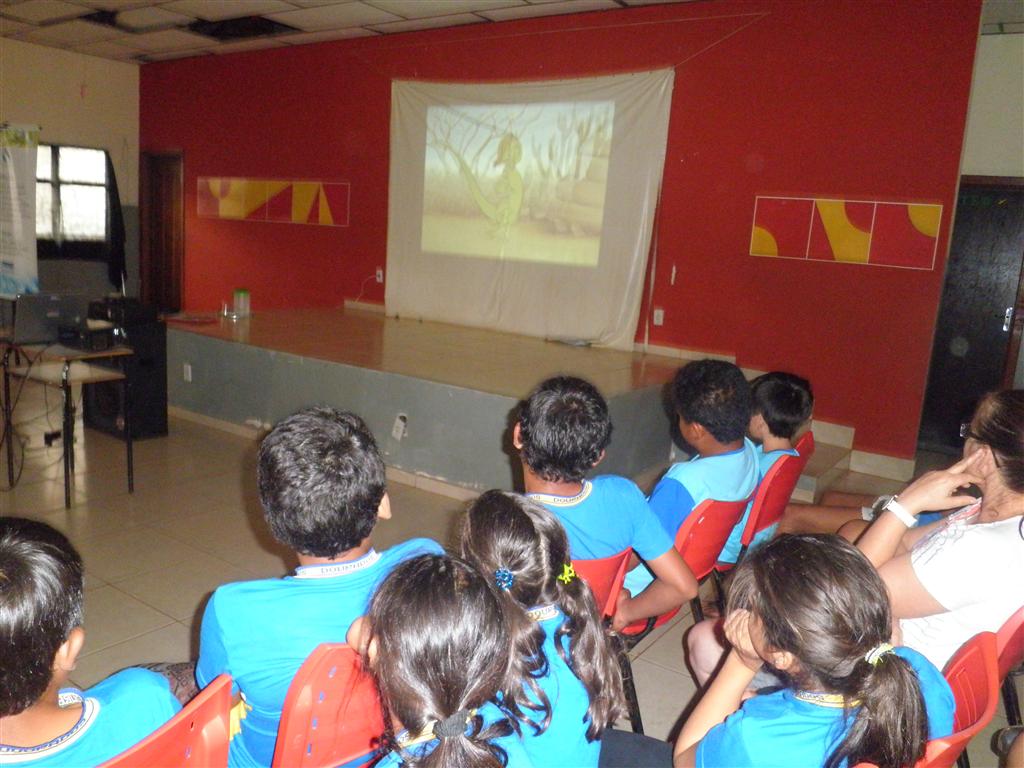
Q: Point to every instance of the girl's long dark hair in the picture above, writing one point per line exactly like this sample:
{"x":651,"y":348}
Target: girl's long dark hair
{"x":442,"y":646}
{"x":818,"y":598}
{"x":508,"y":531}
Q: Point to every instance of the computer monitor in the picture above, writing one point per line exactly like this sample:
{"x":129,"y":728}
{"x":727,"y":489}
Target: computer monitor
{"x":39,"y":317}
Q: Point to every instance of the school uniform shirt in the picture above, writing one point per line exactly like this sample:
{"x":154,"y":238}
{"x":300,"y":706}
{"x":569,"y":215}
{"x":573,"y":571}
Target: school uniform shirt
{"x":607,"y":516}
{"x":564,"y":743}
{"x":116,"y":714}
{"x":516,"y":756}
{"x":780,"y":729}
{"x":765,"y":461}
{"x":260,"y":633}
{"x":976,"y":572}
{"x":727,"y":477}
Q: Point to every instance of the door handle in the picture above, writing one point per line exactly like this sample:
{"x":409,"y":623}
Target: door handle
{"x":1008,"y":318}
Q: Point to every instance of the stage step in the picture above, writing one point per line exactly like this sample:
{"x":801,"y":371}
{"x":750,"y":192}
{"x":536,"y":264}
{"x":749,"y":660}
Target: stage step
{"x":827,"y":464}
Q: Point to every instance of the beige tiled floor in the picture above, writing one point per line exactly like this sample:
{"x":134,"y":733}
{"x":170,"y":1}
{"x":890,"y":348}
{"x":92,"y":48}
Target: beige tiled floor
{"x":152,"y":558}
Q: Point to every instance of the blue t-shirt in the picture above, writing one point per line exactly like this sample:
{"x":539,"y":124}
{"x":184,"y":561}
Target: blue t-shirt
{"x":778,"y":729}
{"x":260,"y":633}
{"x":564,"y":742}
{"x":609,"y":515}
{"x":116,"y":714}
{"x":731,"y":550}
{"x":512,"y":744}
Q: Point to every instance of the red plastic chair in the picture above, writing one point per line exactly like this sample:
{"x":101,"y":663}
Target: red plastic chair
{"x":972,"y":673}
{"x":605,"y":577}
{"x":332,"y":713}
{"x":197,"y":736}
{"x":1010,"y":649}
{"x":805,"y":447}
{"x":699,"y":540}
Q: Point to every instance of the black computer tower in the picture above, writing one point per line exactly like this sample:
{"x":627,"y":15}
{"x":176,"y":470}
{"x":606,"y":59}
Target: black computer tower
{"x":103,"y":404}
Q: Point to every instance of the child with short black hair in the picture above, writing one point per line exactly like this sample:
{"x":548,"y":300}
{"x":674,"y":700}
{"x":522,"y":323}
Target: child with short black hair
{"x":443,"y":652}
{"x":561,"y":432}
{"x":43,"y":723}
{"x":321,"y":483}
{"x":782,"y":405}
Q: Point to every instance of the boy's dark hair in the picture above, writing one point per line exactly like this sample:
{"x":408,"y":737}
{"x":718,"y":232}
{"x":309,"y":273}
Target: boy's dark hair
{"x":321,"y":481}
{"x":820,"y":599}
{"x":40,"y":603}
{"x":714,"y":394}
{"x":784,"y":401}
{"x":564,"y":426}
{"x":506,"y":531}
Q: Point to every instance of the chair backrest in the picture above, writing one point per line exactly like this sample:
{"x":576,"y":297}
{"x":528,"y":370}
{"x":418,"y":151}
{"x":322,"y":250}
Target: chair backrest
{"x":1010,"y":643}
{"x":196,"y":736}
{"x":805,"y":447}
{"x":704,"y":532}
{"x":772,"y":496}
{"x":332,"y":713}
{"x":604,"y":577}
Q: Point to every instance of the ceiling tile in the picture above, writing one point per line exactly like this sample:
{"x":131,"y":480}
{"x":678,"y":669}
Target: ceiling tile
{"x":38,"y":11}
{"x":258,"y":44}
{"x":12,"y":27}
{"x":329,"y":16}
{"x":114,"y":5}
{"x":304,"y":38}
{"x":107,"y":49}
{"x":411,"y":25}
{"x":69,"y":33}
{"x":317,"y":3}
{"x":152,"y":17}
{"x":227,"y":9}
{"x":421,"y":9}
{"x":168,"y":40}
{"x":991,"y":29}
{"x":1001,"y":11}
{"x":550,"y":9}
{"x":167,"y":55}
{"x":653,"y":2}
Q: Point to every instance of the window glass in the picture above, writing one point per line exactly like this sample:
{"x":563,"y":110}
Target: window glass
{"x":83,"y":212}
{"x":77,"y":164}
{"x":44,"y":162}
{"x":44,"y":209}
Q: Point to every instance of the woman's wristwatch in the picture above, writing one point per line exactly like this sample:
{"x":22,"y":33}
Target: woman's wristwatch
{"x":900,"y":511}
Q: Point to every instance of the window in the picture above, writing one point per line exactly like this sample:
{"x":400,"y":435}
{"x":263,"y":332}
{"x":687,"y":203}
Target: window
{"x":71,"y":203}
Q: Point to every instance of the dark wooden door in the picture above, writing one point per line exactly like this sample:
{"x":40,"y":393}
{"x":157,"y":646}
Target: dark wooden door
{"x":162,"y":244}
{"x":976,"y":316}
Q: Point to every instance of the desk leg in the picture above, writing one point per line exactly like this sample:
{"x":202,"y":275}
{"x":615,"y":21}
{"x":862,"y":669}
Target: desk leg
{"x":68,"y":438}
{"x":8,"y":429}
{"x":128,"y":432}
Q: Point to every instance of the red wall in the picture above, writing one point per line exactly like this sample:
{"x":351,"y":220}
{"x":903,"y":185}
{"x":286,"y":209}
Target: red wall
{"x":851,"y":98}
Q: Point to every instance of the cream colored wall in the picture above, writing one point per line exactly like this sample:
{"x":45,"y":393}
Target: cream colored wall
{"x":77,"y":99}
{"x":994,"y":144}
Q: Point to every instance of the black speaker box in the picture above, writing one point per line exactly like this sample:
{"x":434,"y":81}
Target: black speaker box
{"x":147,"y":370}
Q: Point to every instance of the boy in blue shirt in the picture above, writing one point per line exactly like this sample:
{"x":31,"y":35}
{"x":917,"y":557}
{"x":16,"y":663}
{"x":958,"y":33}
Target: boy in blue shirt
{"x":782,"y":404}
{"x":321,"y":483}
{"x":561,"y":433}
{"x":42,"y":722}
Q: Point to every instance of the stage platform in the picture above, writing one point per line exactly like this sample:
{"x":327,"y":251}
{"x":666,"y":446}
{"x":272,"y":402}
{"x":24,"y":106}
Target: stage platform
{"x":457,"y":386}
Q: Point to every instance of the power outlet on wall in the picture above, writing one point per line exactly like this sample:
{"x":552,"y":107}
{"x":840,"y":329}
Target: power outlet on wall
{"x":399,"y":428}
{"x":186,"y":372}
{"x":380,"y":274}
{"x":659,"y":316}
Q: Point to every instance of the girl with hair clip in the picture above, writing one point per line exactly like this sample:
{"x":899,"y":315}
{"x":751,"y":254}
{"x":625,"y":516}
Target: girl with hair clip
{"x":571,"y":680}
{"x":438,"y":643}
{"x":813,"y":610}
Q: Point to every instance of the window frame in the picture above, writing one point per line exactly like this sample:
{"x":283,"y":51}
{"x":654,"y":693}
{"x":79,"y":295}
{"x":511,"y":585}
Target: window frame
{"x":56,"y":246}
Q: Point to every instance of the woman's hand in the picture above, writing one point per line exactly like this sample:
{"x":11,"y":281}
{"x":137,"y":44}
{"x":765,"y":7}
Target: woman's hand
{"x":737,"y":632}
{"x":939,"y":490}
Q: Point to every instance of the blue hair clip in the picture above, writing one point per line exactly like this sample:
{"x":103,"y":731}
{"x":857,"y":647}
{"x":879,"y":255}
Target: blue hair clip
{"x":503,"y":578}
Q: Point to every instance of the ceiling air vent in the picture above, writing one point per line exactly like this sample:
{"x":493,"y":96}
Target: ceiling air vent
{"x":239,"y":29}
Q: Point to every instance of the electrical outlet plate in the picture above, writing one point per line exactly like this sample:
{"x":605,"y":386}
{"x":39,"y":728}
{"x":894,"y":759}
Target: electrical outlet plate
{"x":398,"y":430}
{"x":659,"y":316}
{"x":380,"y":274}
{"x":186,"y":372}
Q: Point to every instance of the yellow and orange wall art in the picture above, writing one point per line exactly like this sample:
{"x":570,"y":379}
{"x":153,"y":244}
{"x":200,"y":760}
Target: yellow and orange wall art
{"x":887,"y":234}
{"x":322,"y":203}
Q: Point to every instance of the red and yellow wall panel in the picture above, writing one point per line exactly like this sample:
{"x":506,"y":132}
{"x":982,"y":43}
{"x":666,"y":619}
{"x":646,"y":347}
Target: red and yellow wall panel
{"x":323,"y":203}
{"x":878,"y":233}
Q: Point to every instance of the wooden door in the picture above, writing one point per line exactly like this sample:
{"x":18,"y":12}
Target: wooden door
{"x":162,"y":246}
{"x":972,"y":346}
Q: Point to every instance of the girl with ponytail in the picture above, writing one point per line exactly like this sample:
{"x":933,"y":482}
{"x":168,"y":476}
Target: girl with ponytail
{"x":572,"y":683}
{"x":813,"y":610}
{"x":438,"y":644}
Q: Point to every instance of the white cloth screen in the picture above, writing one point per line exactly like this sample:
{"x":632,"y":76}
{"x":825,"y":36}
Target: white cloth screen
{"x":526,"y":207}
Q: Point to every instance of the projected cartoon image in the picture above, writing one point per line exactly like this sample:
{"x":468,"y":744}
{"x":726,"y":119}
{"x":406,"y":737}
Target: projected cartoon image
{"x":520,"y":182}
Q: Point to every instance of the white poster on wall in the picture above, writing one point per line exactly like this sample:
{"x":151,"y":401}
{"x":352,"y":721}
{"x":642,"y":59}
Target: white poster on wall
{"x":526,"y":207}
{"x":18,"y":268}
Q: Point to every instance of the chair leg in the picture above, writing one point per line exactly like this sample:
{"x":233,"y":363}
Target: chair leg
{"x":696,"y":609}
{"x":629,"y":688}
{"x":1011,"y":704}
{"x":963,"y":761}
{"x":719,"y":591}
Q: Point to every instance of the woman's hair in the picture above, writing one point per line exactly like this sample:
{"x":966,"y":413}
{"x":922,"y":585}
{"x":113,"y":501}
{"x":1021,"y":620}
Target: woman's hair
{"x":506,"y":532}
{"x":443,"y":646}
{"x":999,"y":424}
{"x":818,"y":598}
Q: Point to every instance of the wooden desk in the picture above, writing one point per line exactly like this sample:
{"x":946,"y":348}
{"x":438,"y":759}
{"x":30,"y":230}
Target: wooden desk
{"x":59,"y":366}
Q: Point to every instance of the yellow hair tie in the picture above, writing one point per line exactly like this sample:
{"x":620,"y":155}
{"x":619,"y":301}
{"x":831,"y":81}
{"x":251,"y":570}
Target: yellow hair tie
{"x":875,"y":655}
{"x":568,"y":573}
{"x":238,"y":713}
